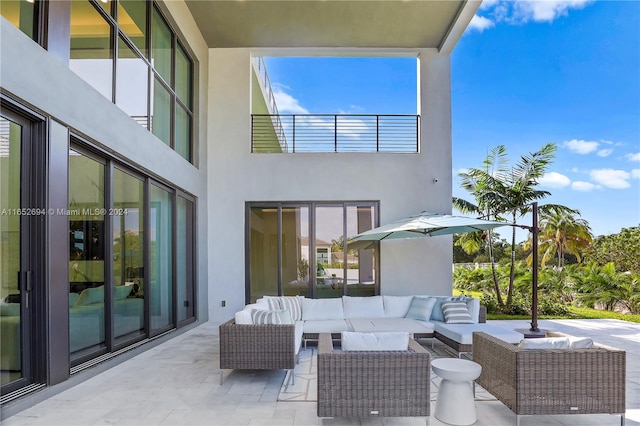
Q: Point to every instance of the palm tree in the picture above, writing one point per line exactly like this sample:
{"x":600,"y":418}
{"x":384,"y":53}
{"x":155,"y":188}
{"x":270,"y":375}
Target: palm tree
{"x":562,"y":233}
{"x":500,"y":190}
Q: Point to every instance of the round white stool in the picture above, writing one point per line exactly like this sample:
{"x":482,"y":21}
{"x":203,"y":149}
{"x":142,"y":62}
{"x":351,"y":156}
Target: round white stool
{"x":455,"y":404}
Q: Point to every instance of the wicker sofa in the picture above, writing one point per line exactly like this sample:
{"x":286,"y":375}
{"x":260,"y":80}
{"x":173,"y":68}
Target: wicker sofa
{"x":552,"y":381}
{"x":373,"y":383}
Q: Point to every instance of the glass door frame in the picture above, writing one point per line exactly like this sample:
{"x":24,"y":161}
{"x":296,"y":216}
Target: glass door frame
{"x":32,"y":281}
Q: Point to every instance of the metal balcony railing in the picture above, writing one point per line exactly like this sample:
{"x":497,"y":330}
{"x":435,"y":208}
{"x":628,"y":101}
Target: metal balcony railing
{"x":335,"y":133}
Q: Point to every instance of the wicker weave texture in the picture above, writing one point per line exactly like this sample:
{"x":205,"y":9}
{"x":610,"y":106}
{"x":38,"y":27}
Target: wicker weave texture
{"x":257,"y":346}
{"x":376,"y":383}
{"x":552,"y":381}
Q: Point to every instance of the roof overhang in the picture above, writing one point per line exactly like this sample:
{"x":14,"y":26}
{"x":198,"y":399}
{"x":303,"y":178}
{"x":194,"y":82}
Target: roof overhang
{"x":333,"y":23}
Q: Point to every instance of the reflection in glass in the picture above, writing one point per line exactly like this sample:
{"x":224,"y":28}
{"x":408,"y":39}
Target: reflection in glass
{"x":183,"y":133}
{"x":161,"y":280}
{"x":161,"y":53}
{"x":86,"y":255}
{"x":105,"y":4}
{"x":132,"y":20}
{"x":128,"y":259}
{"x":360,"y":263}
{"x":10,"y":333}
{"x":20,"y":13}
{"x":91,"y":53}
{"x":131,"y":84}
{"x":184,"y":258}
{"x":161,"y":118}
{"x":264,"y":252}
{"x":183,"y":76}
{"x":329,"y":251}
{"x":295,"y":251}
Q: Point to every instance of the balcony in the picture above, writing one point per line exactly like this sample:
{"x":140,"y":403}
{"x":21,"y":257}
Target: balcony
{"x":316,"y":133}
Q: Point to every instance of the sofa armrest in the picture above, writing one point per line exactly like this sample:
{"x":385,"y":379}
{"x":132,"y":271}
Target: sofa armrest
{"x":257,"y":346}
{"x":498,"y":361}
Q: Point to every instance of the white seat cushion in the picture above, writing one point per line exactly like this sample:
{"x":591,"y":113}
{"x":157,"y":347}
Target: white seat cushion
{"x":354,"y":341}
{"x":463,"y":333}
{"x":372,"y":325}
{"x":299,"y":327}
{"x":325,"y":326}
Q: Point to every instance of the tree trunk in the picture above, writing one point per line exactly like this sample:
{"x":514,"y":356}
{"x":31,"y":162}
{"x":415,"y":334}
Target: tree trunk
{"x":512,"y":268}
{"x":496,"y":286}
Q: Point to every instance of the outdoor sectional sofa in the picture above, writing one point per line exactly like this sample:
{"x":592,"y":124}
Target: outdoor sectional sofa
{"x":268,"y":334}
{"x":578,"y":379}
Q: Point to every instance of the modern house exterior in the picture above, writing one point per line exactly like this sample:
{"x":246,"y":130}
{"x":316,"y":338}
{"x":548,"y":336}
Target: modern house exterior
{"x":136,"y":197}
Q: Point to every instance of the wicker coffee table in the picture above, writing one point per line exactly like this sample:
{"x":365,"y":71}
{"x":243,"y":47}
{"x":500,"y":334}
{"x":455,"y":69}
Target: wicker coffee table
{"x":455,"y":404}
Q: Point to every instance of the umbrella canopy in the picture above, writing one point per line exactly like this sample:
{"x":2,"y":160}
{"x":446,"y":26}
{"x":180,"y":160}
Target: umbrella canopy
{"x":422,"y":225}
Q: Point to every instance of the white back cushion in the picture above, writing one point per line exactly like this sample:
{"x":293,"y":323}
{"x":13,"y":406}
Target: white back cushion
{"x":545,"y":343}
{"x":244,"y":316}
{"x":396,"y":306}
{"x":363,"y":307}
{"x":321,"y":309}
{"x":580,"y":342}
{"x":390,"y":341}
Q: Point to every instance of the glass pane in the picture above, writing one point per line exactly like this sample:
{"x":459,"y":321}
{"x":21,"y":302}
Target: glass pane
{"x":10,"y":336}
{"x":360,"y":263}
{"x":295,"y":251}
{"x":161,"y":282}
{"x":20,"y":13}
{"x":329,"y":251}
{"x":91,"y":52}
{"x":183,"y":133}
{"x":183,"y":76}
{"x":131,"y":84}
{"x":161,"y":118}
{"x":184,"y":258}
{"x":161,"y":54}
{"x":263,"y":252}
{"x":128,"y":256}
{"x":132,"y":20}
{"x":86,"y":255}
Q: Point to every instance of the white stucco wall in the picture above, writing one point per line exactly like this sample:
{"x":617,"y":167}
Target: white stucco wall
{"x":402,"y":183}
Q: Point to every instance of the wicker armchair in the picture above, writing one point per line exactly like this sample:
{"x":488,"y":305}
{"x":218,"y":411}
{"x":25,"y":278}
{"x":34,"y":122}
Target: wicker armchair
{"x":376,"y":383}
{"x":552,"y":381}
{"x":256,"y":347}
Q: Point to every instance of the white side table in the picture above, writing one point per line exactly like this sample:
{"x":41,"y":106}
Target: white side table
{"x":455,"y":404}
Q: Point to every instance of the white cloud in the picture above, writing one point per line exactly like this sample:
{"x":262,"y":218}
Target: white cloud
{"x":546,"y":10}
{"x":616,"y":179}
{"x":605,"y":152}
{"x":480,"y":23}
{"x":523,"y":11}
{"x":583,"y":186}
{"x":287,"y":103}
{"x":634,"y":156}
{"x":635,"y":173}
{"x":554,"y":180}
{"x":581,"y":146}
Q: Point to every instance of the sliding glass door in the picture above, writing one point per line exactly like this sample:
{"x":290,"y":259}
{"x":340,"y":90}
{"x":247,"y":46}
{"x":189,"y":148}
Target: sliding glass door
{"x":20,"y":288}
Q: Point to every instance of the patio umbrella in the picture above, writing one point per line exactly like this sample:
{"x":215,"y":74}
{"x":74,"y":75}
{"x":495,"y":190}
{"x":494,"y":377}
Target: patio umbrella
{"x":422,"y":225}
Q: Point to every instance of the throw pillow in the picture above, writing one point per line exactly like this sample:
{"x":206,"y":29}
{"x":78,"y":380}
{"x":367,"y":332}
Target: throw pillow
{"x":271,"y":317}
{"x":273,"y":302}
{"x":456,"y":313}
{"x":421,"y":308}
{"x":389,"y":341}
{"x":73,"y":298}
{"x":293,"y":304}
{"x":580,"y":342}
{"x":121,"y":292}
{"x":90,"y":296}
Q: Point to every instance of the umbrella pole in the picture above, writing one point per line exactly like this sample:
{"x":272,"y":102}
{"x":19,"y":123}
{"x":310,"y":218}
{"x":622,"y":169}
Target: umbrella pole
{"x":534,"y":280}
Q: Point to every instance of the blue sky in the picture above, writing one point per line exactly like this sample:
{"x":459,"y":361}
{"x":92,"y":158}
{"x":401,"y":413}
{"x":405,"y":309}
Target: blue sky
{"x":524,"y":74}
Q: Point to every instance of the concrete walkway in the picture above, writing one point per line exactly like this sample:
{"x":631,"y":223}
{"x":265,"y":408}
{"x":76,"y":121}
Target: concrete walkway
{"x":178,"y":383}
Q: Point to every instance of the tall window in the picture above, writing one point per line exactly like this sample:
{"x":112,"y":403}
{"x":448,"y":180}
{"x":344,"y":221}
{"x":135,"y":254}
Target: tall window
{"x":153,"y":78}
{"x":23,"y":14}
{"x":300,"y":249}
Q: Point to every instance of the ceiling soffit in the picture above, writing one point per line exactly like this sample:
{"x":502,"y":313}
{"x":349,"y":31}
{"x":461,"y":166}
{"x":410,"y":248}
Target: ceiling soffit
{"x":337,"y":23}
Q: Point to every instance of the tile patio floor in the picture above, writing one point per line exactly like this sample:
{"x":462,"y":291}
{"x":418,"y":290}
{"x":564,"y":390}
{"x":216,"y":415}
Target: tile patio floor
{"x":178,"y":383}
